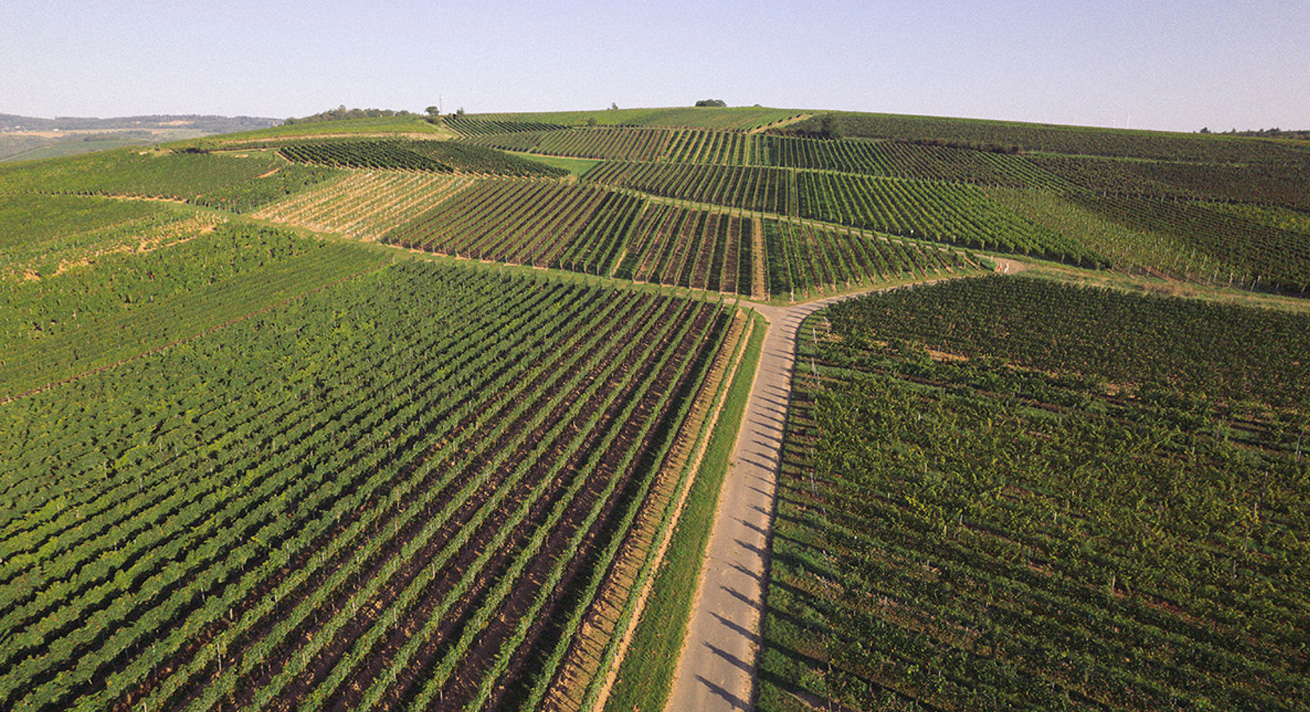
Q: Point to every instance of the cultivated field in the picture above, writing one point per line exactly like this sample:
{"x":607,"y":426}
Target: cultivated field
{"x":392,"y":414}
{"x":1008,"y":492}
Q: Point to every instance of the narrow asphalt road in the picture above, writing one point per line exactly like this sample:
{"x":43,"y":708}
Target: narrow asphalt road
{"x":720,"y":653}
{"x":719,"y":656}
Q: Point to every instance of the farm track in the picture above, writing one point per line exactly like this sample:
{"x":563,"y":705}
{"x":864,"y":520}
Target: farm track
{"x":760,"y":276}
{"x":720,"y":654}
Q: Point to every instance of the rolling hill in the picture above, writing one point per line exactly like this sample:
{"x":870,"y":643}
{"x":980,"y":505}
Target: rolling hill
{"x":384,"y":414}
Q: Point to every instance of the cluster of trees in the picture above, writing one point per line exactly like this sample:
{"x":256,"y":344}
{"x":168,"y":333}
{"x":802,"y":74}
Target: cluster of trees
{"x":341,"y":113}
{"x":1301,"y":135}
{"x":716,"y":103}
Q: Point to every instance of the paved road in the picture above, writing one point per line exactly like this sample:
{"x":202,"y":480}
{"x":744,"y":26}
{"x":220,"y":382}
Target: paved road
{"x":720,"y":654}
{"x":719,"y":657}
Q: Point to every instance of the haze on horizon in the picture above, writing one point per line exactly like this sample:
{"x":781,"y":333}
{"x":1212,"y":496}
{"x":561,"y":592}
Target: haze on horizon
{"x":1170,"y":65}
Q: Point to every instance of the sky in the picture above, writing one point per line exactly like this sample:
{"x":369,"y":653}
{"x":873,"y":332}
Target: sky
{"x":1154,"y":64}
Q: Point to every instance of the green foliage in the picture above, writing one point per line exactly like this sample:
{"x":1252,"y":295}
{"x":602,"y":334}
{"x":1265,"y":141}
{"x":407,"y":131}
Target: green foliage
{"x":647,"y":671}
{"x":43,"y":231}
{"x":414,"y":155}
{"x":755,"y":189}
{"x":933,"y":210}
{"x":689,"y":248}
{"x":805,"y":261}
{"x":365,"y":204}
{"x":622,"y":143}
{"x":375,"y":126}
{"x":1045,"y":138}
{"x":341,"y":113}
{"x":234,"y":182}
{"x":1284,"y":184}
{"x":525,"y":222}
{"x":732,"y":119}
{"x":633,"y":144}
{"x":120,"y":303}
{"x":1229,"y":352}
{"x":419,"y":444}
{"x":900,"y":159}
{"x":1006,"y":531}
{"x":473,"y":126}
{"x":1225,"y":248}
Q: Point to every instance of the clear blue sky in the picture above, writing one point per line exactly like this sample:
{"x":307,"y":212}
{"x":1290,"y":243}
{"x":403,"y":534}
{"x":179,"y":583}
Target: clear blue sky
{"x":1163,"y":64}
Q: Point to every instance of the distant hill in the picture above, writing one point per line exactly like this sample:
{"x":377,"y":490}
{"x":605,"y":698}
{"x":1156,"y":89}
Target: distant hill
{"x":206,"y":123}
{"x":29,"y":137}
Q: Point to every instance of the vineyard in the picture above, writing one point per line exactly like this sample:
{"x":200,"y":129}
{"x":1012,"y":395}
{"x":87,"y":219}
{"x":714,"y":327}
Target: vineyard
{"x":364,"y":204}
{"x":354,"y":526}
{"x":525,"y":222}
{"x":946,"y":212}
{"x":1233,"y":249}
{"x":715,"y":119}
{"x":633,"y":144}
{"x":805,"y":260}
{"x":1043,"y":138}
{"x":372,"y":414}
{"x":691,"y":248}
{"x":1006,"y":493}
{"x":619,"y":143}
{"x":412,"y":155}
{"x":597,"y":231}
{"x":239,"y":183}
{"x":193,"y":275}
{"x":48,"y":233}
{"x":908,"y":160}
{"x":1284,"y":184}
{"x":476,"y":127}
{"x":755,"y":189}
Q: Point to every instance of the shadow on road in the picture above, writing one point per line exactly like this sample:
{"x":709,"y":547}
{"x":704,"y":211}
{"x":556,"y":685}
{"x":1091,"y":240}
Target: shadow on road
{"x":736,"y":702}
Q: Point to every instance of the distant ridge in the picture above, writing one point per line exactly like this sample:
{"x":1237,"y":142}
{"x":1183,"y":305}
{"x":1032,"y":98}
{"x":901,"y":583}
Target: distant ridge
{"x":207,"y":123}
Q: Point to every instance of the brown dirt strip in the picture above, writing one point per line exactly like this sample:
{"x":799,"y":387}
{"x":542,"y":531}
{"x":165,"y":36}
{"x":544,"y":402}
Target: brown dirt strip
{"x":760,"y":276}
{"x":780,"y":124}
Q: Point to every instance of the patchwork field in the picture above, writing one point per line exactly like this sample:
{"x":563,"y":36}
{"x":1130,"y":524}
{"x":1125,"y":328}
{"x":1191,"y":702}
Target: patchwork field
{"x":376,"y":414}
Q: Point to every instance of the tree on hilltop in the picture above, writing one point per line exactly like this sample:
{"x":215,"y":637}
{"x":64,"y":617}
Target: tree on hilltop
{"x":716,"y":103}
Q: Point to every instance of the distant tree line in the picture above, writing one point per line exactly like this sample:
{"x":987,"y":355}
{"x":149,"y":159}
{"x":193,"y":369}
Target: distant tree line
{"x":341,"y":113}
{"x":716,"y":103}
{"x":1298,"y":135}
